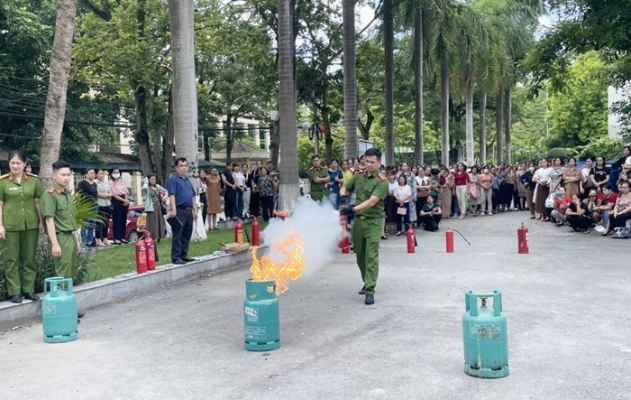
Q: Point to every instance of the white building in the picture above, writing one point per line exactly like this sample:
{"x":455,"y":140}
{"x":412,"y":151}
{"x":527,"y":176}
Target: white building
{"x":613,"y":121}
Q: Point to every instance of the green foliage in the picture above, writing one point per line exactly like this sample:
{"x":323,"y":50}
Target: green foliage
{"x":87,"y":210}
{"x":579,"y":113}
{"x":306,"y":148}
{"x":557,"y":152}
{"x":607,"y":147}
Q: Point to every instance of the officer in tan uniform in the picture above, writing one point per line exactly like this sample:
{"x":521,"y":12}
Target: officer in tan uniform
{"x":20,"y":227}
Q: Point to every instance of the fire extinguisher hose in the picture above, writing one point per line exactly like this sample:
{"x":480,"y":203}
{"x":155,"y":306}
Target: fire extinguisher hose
{"x":465,"y":239}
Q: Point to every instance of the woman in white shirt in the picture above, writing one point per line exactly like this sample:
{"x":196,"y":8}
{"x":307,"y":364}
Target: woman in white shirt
{"x":402,"y":195}
{"x":239,"y":181}
{"x":542,"y":179}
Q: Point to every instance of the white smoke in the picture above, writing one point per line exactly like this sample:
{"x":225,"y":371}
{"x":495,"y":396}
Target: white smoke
{"x":319,"y":225}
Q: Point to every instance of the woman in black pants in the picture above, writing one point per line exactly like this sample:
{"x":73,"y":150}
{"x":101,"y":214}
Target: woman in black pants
{"x":266,"y":191}
{"x":105,"y":208}
{"x":120,"y":203}
{"x":577,"y":215}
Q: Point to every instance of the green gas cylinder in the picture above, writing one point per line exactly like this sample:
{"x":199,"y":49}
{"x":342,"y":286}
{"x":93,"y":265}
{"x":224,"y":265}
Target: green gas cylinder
{"x":260,"y":316}
{"x":485,"y":337}
{"x":59,"y":311}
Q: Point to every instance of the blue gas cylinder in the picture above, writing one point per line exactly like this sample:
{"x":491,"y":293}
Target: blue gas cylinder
{"x":260,"y":316}
{"x":485,"y":337}
{"x":59,"y":311}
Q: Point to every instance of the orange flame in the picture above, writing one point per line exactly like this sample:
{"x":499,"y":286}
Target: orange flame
{"x":281,"y":214}
{"x":291,"y":268}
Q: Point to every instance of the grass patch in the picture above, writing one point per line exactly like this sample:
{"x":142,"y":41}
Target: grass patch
{"x":117,"y":260}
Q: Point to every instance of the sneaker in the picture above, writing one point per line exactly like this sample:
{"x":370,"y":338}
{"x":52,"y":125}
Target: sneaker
{"x":600,"y":228}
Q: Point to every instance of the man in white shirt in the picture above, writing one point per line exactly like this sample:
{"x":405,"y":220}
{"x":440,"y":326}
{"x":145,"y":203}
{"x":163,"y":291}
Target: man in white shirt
{"x":239,"y":180}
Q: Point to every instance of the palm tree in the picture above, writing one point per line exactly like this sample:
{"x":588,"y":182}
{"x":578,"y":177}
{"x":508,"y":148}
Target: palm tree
{"x":60,"y":61}
{"x":289,"y":190}
{"x":350,"y":83}
{"x":184,"y":85}
{"x":388,"y":44}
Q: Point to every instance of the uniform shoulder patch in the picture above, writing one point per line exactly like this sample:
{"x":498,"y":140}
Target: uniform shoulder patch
{"x":33,"y":175}
{"x":5,"y":176}
{"x":382,"y":177}
{"x":51,"y":190}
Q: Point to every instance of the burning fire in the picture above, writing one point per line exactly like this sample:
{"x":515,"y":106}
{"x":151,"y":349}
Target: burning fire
{"x":291,"y":268}
{"x":281,"y":214}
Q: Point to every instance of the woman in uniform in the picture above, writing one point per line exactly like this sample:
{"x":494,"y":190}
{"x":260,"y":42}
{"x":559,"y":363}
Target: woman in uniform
{"x":20,"y":226}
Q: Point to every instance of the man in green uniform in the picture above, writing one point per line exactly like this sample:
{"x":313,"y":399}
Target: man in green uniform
{"x":318,"y":177}
{"x":59,"y":211}
{"x":20,"y":226}
{"x":371,"y":188}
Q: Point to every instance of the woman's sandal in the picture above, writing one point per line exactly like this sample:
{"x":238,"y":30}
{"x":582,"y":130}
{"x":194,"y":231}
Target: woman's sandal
{"x":586,"y":231}
{"x":572,"y":231}
{"x":398,"y":233}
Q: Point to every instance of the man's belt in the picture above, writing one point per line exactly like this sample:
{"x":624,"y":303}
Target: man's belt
{"x":65,"y":233}
{"x":184,"y":208}
{"x":363,"y":217}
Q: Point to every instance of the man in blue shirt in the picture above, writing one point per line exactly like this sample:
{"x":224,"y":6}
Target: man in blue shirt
{"x":182,"y":197}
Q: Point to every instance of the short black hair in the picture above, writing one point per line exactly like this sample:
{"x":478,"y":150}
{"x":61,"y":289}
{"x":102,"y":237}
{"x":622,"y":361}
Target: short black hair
{"x":59,"y":165}
{"x":180,"y":160}
{"x":88,"y":170}
{"x":19,"y":154}
{"x":313,"y":157}
{"x":373,"y":152}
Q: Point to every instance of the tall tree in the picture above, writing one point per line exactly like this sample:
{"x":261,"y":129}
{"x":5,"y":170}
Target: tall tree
{"x":350,"y":81}
{"x":418,"y":86}
{"x":388,"y":44}
{"x":60,"y":61}
{"x":184,"y":87}
{"x":289,"y":190}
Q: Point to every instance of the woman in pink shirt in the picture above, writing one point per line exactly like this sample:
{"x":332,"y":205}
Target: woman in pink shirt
{"x":462,"y":180}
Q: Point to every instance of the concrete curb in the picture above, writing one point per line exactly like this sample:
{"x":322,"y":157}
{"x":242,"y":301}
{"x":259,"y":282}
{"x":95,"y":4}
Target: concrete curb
{"x":128,"y":285}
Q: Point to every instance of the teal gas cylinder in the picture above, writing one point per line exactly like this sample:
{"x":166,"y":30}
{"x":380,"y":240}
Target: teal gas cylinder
{"x":59,"y":311}
{"x":485,"y":337}
{"x":260,"y":316}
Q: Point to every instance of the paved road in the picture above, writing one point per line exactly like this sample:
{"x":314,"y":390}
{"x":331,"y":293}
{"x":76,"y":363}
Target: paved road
{"x":566,"y":304}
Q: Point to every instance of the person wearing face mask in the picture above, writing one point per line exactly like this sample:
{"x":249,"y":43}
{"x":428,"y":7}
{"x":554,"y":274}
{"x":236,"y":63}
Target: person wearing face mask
{"x":120,"y":203}
{"x":529,"y":186}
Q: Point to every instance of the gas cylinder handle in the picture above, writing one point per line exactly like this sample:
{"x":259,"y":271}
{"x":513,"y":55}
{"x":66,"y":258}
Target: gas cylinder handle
{"x":471,"y":302}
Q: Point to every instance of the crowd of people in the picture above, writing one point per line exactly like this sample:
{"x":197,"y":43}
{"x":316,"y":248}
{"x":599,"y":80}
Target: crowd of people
{"x":554,"y":190}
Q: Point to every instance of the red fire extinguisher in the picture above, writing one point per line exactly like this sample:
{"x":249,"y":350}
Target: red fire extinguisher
{"x":344,"y":241}
{"x":238,"y":232}
{"x":141,"y":257}
{"x":522,"y":240}
{"x":256,"y":240}
{"x":449,"y":238}
{"x":411,"y":240}
{"x":151,"y":252}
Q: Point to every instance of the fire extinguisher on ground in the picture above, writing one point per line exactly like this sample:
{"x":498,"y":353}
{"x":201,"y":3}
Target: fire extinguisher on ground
{"x":141,"y":257}
{"x":522,"y":240}
{"x":256,"y":237}
{"x":152,"y":253}
{"x":411,"y":240}
{"x":238,"y":232}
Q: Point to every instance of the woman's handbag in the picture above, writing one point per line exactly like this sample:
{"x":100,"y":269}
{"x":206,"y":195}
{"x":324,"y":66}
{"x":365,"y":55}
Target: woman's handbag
{"x":473,"y":191}
{"x":550,"y":200}
{"x":402,"y":211}
{"x":620,"y":233}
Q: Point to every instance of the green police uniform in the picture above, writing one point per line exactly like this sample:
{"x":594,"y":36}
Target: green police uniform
{"x":21,"y":223}
{"x":317,"y":189}
{"x":58,"y":203}
{"x":367,"y":226}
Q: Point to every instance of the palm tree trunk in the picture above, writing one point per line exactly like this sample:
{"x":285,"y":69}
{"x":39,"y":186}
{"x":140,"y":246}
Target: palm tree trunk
{"x":499,"y":124}
{"x":288,"y":190}
{"x":483,"y":127}
{"x":444,"y":110}
{"x":418,"y":85}
{"x":388,"y":44}
{"x":184,"y":85}
{"x":60,"y":60}
{"x":507,"y":121}
{"x":469,"y":124}
{"x":350,"y":82}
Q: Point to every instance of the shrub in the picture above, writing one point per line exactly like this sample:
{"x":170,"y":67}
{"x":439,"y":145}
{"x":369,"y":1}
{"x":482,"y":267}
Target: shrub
{"x":557,"y":152}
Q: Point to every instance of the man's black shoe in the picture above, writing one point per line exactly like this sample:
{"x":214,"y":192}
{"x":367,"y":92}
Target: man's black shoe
{"x":188,"y":259}
{"x":363,"y":290}
{"x":370,"y":299}
{"x":31,"y":296}
{"x":179,"y":262}
{"x":16,"y":299}
{"x":80,"y":315}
